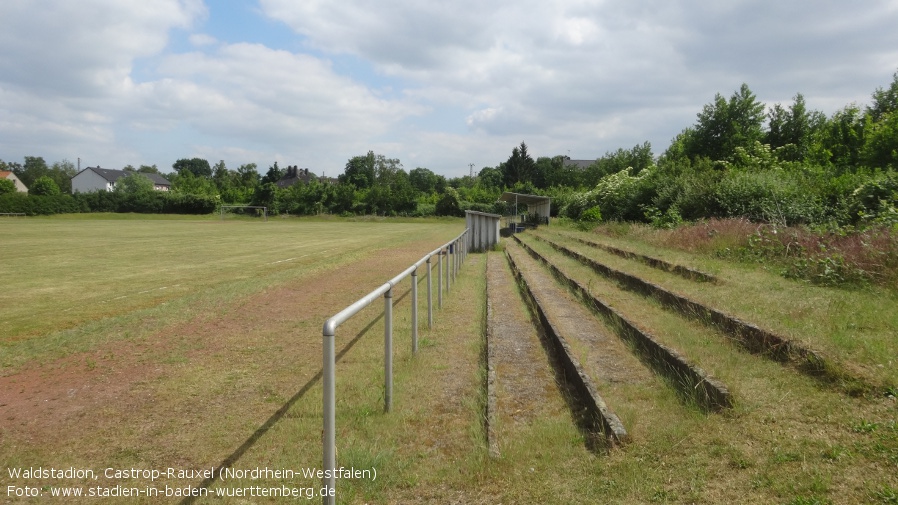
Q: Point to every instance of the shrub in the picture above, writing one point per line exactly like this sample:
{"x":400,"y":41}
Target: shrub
{"x":448,"y":204}
{"x":44,"y":186}
{"x":590,"y":218}
{"x":7,"y":186}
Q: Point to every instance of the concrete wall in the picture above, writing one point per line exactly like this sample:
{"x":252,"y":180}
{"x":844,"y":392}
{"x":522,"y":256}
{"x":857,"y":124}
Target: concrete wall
{"x":484,"y":230}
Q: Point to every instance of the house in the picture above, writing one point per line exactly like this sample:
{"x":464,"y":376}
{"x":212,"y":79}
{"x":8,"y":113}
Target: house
{"x":6,"y":174}
{"x":103,"y":179}
{"x":295,"y":174}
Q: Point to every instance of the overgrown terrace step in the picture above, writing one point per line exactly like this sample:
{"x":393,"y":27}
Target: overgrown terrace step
{"x":521,"y":385}
{"x":750,"y":336}
{"x":596,"y":417}
{"x":691,"y":380}
{"x":683,"y":271}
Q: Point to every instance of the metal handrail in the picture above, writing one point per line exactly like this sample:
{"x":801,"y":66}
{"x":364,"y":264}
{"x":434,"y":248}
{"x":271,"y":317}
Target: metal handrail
{"x":457,"y":250}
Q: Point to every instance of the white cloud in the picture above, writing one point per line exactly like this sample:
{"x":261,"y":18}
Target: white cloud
{"x":436,"y":84}
{"x":202,"y":39}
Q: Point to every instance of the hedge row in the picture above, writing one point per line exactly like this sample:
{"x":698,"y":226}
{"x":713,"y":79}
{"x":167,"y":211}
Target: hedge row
{"x":156,"y":202}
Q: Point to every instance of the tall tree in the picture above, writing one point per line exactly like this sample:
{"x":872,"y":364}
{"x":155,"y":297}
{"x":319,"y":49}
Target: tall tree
{"x":274,"y":174}
{"x":423,"y":180}
{"x":792,"y":130}
{"x":34,"y":167}
{"x":885,"y":101}
{"x":490,"y":177}
{"x":359,"y":171}
{"x":519,"y":168}
{"x":724,"y":125}
{"x":197,"y":166}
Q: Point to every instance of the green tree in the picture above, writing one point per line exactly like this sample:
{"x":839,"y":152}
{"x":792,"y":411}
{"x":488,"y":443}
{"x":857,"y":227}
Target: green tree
{"x":134,"y":183}
{"x":148,"y":169}
{"x":423,"y":180}
{"x":196,"y":166}
{"x":248,"y":175}
{"x":7,"y":186}
{"x":359,"y":171}
{"x":885,"y":101}
{"x":724,"y":125}
{"x":62,"y":173}
{"x":638,"y":158}
{"x":519,"y":167}
{"x":881,"y":142}
{"x":34,"y":168}
{"x":188,"y":184}
{"x":842,"y":138}
{"x":791,"y":131}
{"x":274,"y":174}
{"x":44,"y":186}
{"x":448,"y":204}
{"x":490,"y":177}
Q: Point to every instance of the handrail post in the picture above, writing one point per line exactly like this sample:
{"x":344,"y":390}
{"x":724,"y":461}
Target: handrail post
{"x":388,"y":350}
{"x":455,"y":261}
{"x":329,"y":437}
{"x":440,"y":278}
{"x":415,"y":311}
{"x":449,"y":269}
{"x":429,"y":297}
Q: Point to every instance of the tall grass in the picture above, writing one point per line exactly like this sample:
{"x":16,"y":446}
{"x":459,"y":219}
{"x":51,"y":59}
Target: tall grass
{"x":843,"y":257}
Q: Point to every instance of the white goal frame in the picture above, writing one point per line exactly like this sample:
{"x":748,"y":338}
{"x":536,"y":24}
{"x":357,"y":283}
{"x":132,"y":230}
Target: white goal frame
{"x":223,"y":207}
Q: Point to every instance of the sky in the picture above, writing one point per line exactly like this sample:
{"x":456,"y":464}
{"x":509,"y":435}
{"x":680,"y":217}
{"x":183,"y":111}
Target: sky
{"x":436,"y":84}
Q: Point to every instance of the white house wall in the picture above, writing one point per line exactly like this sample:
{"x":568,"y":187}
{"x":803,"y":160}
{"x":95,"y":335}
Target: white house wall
{"x":88,"y":180}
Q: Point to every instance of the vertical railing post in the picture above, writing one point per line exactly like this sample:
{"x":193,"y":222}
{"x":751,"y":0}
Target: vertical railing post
{"x":440,"y":279}
{"x":455,"y":259}
{"x":388,"y":350}
{"x":429,"y":297}
{"x":329,"y":437}
{"x":449,"y":269}
{"x":415,"y":311}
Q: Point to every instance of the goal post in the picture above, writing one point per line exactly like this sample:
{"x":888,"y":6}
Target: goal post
{"x":264,"y":210}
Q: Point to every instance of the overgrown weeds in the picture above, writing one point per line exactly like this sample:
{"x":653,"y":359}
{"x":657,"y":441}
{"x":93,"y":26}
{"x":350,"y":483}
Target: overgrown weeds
{"x":844,"y":257}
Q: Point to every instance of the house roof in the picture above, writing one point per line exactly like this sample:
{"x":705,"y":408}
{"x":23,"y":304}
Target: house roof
{"x":295,"y":174}
{"x":113,"y":175}
{"x":510,"y":197}
{"x":4,"y":174}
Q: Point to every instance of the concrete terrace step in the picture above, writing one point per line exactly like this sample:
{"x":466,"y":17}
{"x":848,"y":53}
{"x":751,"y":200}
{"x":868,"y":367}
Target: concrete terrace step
{"x":521,"y":383}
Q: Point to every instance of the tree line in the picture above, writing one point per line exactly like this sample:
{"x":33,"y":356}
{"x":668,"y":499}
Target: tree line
{"x":784,"y":164}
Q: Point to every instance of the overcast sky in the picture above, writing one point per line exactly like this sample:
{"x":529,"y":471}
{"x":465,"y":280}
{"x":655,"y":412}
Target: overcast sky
{"x":437,"y":84}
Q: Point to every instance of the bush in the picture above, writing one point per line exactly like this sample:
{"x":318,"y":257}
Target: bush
{"x":774,"y":197}
{"x":44,"y":186}
{"x":448,"y":204}
{"x":7,"y":186}
{"x":590,"y":218}
{"x":39,"y":205}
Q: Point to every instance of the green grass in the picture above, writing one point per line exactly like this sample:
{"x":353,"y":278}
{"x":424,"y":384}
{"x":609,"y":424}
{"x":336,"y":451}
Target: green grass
{"x":858,"y":327}
{"x":227,"y":369}
{"x":72,"y":275}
